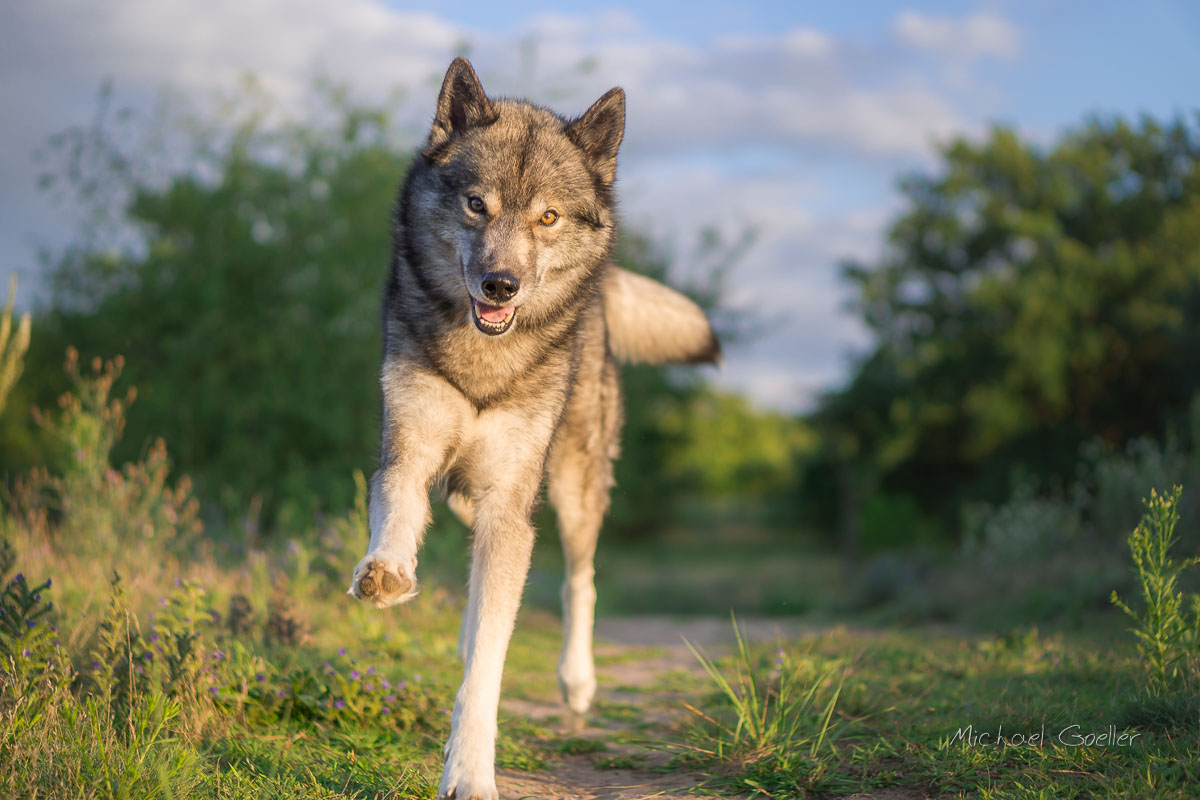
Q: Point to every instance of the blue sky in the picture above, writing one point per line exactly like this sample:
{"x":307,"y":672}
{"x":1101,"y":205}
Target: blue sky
{"x":793,"y":119}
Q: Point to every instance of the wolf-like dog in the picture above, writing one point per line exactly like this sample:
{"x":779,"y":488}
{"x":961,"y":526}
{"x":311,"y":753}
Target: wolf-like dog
{"x":503,"y":326}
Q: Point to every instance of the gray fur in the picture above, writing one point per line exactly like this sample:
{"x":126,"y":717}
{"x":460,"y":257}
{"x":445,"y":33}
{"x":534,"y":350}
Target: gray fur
{"x":487,"y":400}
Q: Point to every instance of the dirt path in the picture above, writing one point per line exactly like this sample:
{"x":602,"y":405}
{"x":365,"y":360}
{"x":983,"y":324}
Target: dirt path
{"x":636,"y":658}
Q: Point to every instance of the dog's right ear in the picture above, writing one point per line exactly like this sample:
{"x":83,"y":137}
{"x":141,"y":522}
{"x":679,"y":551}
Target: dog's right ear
{"x":461,"y":105}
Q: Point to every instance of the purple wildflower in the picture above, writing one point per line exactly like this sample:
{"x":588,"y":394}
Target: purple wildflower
{"x":212,"y":689}
{"x":386,"y":683}
{"x":391,"y":698}
{"x":370,"y":670}
{"x":95,"y":665}
{"x":327,"y":667}
{"x":27,"y":653}
{"x":260,"y":677}
{"x":370,"y":687}
{"x":282,"y":693}
{"x":417,"y":678}
{"x":153,"y":638}
{"x":354,"y":674}
{"x":385,"y":710}
{"x":49,"y":582}
{"x":218,"y":655}
{"x":341,"y":651}
{"x":339,"y":704}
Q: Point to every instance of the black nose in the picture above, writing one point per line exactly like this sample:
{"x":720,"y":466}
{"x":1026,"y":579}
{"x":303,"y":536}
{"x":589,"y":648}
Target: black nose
{"x":499,"y":287}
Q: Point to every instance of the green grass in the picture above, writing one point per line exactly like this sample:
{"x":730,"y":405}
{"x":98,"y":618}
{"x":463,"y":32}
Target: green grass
{"x":905,"y":695}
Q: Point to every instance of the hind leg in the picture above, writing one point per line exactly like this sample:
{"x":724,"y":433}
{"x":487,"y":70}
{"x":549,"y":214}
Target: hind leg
{"x":580,"y":477}
{"x":580,"y":529}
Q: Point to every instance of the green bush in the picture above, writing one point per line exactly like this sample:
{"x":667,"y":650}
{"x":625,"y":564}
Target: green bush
{"x":1028,"y":527}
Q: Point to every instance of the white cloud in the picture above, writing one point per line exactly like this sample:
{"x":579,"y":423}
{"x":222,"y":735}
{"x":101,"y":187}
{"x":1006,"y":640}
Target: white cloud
{"x":966,"y":38}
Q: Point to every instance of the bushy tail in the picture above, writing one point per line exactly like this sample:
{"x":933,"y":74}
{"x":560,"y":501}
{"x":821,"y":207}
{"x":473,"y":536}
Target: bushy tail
{"x":649,"y":323}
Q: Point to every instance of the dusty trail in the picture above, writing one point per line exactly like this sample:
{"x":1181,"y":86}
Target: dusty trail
{"x":636,"y":658}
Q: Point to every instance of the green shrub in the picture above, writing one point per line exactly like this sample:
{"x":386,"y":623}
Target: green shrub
{"x":1028,"y":526}
{"x":87,"y":501}
{"x":1116,"y":482}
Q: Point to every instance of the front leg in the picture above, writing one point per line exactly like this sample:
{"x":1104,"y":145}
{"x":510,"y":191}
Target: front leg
{"x":422,"y":421}
{"x":499,"y":565}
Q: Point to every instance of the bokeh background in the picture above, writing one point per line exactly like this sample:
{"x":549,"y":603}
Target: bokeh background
{"x":954,"y":250}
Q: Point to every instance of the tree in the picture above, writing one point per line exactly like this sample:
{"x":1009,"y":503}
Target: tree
{"x":1030,"y":299}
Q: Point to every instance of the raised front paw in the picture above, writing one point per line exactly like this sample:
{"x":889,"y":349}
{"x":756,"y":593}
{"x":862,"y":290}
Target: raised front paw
{"x":383,"y":580}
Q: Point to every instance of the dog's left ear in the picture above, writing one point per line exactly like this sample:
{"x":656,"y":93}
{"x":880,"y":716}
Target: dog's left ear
{"x":461,"y":105}
{"x":598,"y":132}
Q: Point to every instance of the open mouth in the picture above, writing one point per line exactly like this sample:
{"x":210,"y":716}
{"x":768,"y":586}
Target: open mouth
{"x":492,"y":320}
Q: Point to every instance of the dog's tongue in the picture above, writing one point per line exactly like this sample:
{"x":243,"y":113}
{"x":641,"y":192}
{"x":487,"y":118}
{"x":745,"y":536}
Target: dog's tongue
{"x":494,"y":313}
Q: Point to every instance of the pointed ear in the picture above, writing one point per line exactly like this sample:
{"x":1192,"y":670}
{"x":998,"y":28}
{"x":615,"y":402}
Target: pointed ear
{"x":598,"y":132}
{"x":461,"y":105}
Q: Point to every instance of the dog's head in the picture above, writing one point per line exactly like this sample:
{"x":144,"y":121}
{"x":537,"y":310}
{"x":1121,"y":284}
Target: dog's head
{"x":514,"y":202}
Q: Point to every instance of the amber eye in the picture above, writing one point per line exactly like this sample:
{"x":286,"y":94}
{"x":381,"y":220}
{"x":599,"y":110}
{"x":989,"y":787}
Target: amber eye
{"x":549,"y":218}
{"x":475,"y":204}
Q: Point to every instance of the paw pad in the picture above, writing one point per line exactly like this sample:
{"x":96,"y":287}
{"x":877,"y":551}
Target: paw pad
{"x":377,"y":579}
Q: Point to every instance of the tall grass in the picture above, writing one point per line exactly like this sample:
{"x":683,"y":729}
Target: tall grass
{"x":156,"y":671}
{"x":771,"y":723}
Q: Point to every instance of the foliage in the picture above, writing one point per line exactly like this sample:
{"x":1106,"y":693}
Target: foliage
{"x":1026,"y":527}
{"x":13,"y":345}
{"x":90,"y":505}
{"x":35,"y":670}
{"x":1114,"y":481}
{"x":727,"y":448}
{"x":1051,"y":551}
{"x":1168,"y":625}
{"x":1031,"y":299}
